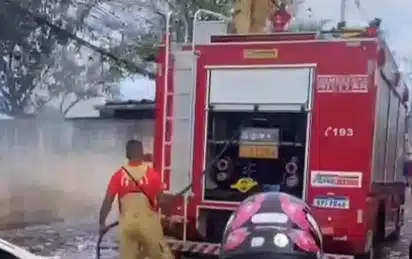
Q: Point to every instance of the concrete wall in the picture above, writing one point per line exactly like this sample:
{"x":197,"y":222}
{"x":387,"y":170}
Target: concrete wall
{"x":59,"y":169}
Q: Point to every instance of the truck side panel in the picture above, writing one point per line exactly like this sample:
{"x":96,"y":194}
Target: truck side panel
{"x":345,"y":120}
{"x":390,"y":107}
{"x":346,"y":125}
{"x":392,"y":128}
{"x":382,"y":118}
{"x":400,"y":144}
{"x":387,"y":190}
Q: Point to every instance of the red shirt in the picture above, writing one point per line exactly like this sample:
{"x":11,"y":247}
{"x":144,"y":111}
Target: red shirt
{"x":121,"y":185}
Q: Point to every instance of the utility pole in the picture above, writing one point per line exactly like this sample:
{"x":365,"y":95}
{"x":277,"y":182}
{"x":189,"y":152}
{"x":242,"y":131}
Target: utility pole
{"x":342,"y":22}
{"x":343,"y":4}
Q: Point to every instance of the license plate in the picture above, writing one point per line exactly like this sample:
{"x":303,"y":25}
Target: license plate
{"x":258,"y":151}
{"x":331,"y":203}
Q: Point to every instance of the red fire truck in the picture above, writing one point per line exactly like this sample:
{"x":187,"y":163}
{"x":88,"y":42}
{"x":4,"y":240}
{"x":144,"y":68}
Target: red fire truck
{"x":319,"y":115}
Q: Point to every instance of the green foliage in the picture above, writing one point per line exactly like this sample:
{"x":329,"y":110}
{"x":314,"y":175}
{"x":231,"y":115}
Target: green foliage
{"x":33,"y":30}
{"x":187,"y":9}
{"x":25,"y":45}
{"x":145,"y":47}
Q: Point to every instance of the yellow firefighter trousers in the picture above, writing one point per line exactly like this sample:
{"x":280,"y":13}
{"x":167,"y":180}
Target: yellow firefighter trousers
{"x":252,"y":16}
{"x":141,"y":232}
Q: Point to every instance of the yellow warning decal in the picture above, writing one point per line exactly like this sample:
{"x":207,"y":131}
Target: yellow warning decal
{"x":244,"y":184}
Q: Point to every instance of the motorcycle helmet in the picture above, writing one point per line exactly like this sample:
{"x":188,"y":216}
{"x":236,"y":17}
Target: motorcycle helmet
{"x":272,"y":225}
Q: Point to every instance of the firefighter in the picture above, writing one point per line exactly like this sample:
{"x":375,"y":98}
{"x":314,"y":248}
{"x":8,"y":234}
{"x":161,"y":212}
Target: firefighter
{"x":272,"y":225}
{"x":138,"y":187}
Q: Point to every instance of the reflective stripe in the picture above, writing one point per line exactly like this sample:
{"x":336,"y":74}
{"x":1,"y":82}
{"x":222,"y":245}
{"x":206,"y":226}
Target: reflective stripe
{"x":194,"y":247}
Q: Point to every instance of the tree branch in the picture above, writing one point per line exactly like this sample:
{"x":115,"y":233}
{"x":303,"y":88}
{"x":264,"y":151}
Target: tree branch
{"x":42,"y":20}
{"x":71,"y":105}
{"x":63,"y":99}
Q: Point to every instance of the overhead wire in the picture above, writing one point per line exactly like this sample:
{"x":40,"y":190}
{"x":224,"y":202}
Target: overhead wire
{"x":45,"y":21}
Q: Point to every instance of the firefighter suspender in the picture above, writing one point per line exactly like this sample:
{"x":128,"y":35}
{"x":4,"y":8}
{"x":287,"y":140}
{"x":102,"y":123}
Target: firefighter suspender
{"x":139,"y":186}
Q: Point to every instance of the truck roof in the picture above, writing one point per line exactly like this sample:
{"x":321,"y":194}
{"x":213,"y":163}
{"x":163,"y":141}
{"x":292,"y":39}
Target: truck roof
{"x":293,"y":37}
{"x":358,"y":35}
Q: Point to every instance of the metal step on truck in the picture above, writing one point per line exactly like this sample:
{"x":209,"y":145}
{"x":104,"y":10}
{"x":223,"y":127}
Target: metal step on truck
{"x":320,"y":115}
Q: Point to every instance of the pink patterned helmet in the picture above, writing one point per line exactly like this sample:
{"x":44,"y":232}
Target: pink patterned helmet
{"x":272,"y":225}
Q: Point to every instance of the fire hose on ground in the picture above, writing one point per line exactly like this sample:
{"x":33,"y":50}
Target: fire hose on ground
{"x":101,"y":235}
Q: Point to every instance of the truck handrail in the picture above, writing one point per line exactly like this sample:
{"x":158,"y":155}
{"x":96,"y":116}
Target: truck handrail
{"x":169,"y":16}
{"x":165,"y":85}
{"x":168,"y":25}
{"x":196,"y":18}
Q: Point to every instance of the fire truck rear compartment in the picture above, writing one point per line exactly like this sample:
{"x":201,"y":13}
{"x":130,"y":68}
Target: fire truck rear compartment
{"x":258,"y":116}
{"x":267,"y":148}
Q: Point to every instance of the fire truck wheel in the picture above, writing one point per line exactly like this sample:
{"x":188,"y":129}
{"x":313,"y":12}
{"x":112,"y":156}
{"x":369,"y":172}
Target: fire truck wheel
{"x":379,"y":233}
{"x":395,"y":236}
{"x":372,"y":254}
{"x":377,"y":238}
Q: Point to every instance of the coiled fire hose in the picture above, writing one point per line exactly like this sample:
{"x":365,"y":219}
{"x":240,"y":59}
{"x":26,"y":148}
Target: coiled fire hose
{"x":180,"y":193}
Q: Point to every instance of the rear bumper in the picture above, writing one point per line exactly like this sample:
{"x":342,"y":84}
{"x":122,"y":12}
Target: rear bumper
{"x":201,"y":248}
{"x":341,"y":232}
{"x":352,"y":245}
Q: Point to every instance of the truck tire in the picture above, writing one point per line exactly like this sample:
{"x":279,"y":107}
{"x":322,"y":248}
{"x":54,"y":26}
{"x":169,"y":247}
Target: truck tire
{"x":374,"y":250}
{"x":372,"y":254}
{"x":379,"y":234}
{"x":397,"y":233}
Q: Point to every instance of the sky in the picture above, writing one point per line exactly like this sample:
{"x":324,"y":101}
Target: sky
{"x":137,"y":88}
{"x":396,"y":18}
